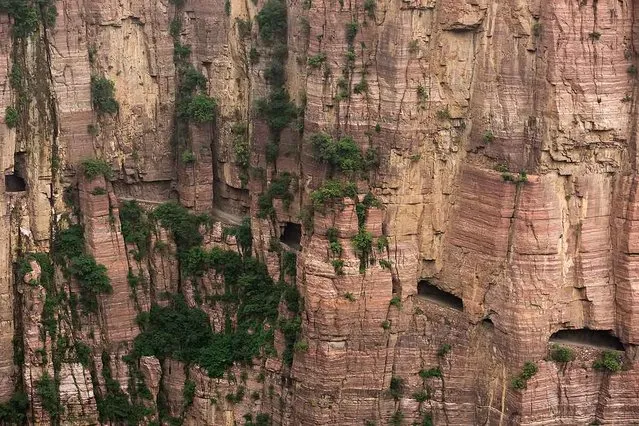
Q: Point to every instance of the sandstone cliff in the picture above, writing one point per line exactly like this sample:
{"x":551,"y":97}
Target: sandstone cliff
{"x":441,"y":199}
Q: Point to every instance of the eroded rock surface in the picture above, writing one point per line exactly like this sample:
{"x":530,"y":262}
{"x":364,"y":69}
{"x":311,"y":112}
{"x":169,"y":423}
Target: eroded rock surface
{"x":499,"y":140}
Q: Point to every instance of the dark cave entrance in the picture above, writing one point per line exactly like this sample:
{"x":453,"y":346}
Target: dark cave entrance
{"x":603,"y":339}
{"x":433,"y":294}
{"x":14,"y":183}
{"x":488,"y":323}
{"x":292,"y":235}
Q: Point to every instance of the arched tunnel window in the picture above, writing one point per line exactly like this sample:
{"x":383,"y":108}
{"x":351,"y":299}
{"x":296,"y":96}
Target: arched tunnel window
{"x":292,"y":235}
{"x":603,"y":339}
{"x":488,"y":323}
{"x":432,"y":293}
{"x":14,"y":183}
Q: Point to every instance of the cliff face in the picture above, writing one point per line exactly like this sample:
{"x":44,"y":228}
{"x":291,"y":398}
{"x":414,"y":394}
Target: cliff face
{"x":480,"y":268}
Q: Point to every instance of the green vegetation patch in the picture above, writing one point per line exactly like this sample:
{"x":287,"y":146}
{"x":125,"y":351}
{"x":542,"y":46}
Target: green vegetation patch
{"x":249,"y":291}
{"x":610,"y":361}
{"x":103,"y":95}
{"x":272,"y":22}
{"x":343,"y":155}
{"x":91,"y":276}
{"x":11,"y":117}
{"x":183,"y":225}
{"x":47,"y":391}
{"x":114,"y":405}
{"x":94,"y":167}
{"x":528,"y":371}
{"x":242,"y":234}
{"x":278,"y":189}
{"x":136,"y":227}
{"x":331,"y":192}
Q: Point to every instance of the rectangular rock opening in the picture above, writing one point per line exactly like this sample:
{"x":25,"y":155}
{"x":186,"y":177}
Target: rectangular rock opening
{"x":292,"y":235}
{"x":600,"y":339}
{"x":434,"y":294}
{"x":14,"y":183}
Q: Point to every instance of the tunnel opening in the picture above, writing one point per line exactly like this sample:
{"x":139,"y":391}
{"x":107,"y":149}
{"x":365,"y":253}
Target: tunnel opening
{"x":432,"y":293}
{"x":14,"y":183}
{"x":488,"y":323}
{"x":602,"y":339}
{"x":292,"y":235}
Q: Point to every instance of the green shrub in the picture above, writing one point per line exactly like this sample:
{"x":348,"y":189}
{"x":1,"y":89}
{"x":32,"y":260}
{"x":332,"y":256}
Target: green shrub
{"x":396,"y":387}
{"x":93,"y":130}
{"x":396,"y":301}
{"x":369,"y":7}
{"x":242,"y":150}
{"x":277,"y":109}
{"x":181,"y":52}
{"x":68,"y":243}
{"x":332,"y":191}
{"x":443,"y":114}
{"x":351,"y":32}
{"x":595,"y":35}
{"x":243,"y":235}
{"x":94,"y":167}
{"x":102,"y":95}
{"x":254,"y":56}
{"x":608,"y":361}
{"x":188,"y":157}
{"x":278,"y":189}
{"x":317,"y":61}
{"x":443,"y":350}
{"x":113,"y":404}
{"x":397,"y":418}
{"x":175,"y":27}
{"x":386,"y":324}
{"x":336,"y":248}
{"x":98,"y":191}
{"x":14,"y":412}
{"x":188,"y":393}
{"x":421,"y":395}
{"x":422,"y":94}
{"x":361,"y":87}
{"x":289,"y":264}
{"x":350,"y":297}
{"x":236,"y":397}
{"x":363,"y":244}
{"x":332,"y":234}
{"x":560,"y":353}
{"x":136,"y":228}
{"x":382,"y":243}
{"x":536,"y":29}
{"x":488,"y":137}
{"x":338,"y":266}
{"x":386,"y":264}
{"x":427,"y":420}
{"x":413,"y":47}
{"x":82,"y":353}
{"x":11,"y":117}
{"x":25,"y":16}
{"x":430,"y":372}
{"x":191,"y":79}
{"x":92,"y":278}
{"x":528,"y":371}
{"x":201,"y":109}
{"x":183,"y":225}
{"x":301,"y":346}
{"x":272,"y":21}
{"x":47,"y":390}
{"x":343,"y":155}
